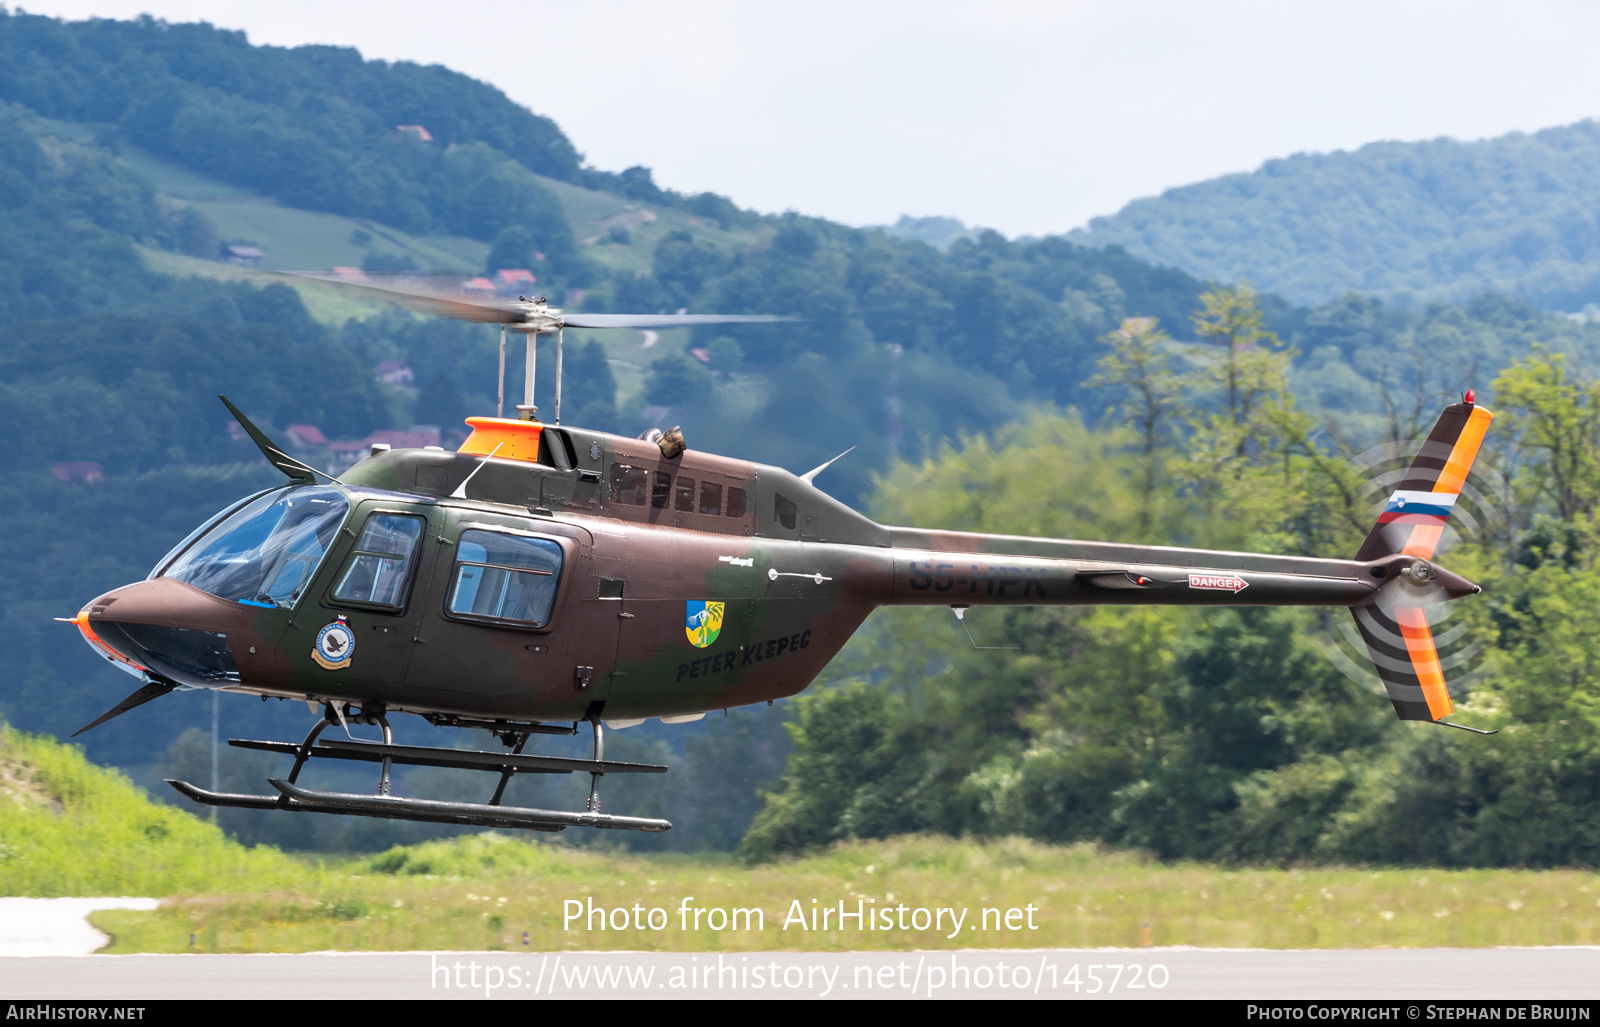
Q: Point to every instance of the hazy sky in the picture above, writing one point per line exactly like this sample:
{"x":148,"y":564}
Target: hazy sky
{"x":1029,"y":117}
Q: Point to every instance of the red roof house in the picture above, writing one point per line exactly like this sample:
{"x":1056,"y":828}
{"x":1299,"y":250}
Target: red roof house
{"x":86,"y":471}
{"x":395,"y":372}
{"x":515,"y":276}
{"x":305,"y":436}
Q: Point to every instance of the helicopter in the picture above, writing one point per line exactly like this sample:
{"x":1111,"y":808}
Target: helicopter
{"x":544,"y":576}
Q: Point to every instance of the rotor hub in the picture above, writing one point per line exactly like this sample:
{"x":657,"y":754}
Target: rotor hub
{"x":1419,"y":572}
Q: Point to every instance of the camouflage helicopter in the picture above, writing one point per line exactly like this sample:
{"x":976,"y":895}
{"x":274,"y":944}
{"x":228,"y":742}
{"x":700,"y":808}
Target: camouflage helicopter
{"x":545,"y":576}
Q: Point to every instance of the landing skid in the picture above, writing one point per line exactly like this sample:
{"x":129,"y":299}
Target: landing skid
{"x":293,"y":797}
{"x":383,"y":805}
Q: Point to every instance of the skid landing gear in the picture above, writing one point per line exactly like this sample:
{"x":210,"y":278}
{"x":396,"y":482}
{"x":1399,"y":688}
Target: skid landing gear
{"x":490,"y":814}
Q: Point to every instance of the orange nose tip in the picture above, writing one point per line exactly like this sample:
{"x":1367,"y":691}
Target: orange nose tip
{"x":82,"y":621}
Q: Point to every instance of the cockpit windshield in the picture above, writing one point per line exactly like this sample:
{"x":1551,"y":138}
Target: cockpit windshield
{"x":266,"y":552}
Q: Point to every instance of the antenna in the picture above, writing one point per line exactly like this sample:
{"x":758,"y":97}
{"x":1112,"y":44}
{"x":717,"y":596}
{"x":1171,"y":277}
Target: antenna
{"x":961,"y":615}
{"x":810,"y":476}
{"x":461,"y":489}
{"x":558,"y":374}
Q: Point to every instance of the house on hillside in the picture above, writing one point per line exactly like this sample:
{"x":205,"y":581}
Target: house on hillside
{"x":414,"y":131}
{"x":342,"y":454}
{"x":85,"y":471}
{"x":514,"y":278}
{"x":244,"y":256}
{"x":395,"y":372}
{"x":305,"y":437}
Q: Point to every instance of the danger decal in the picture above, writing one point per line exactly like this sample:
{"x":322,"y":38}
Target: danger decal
{"x":1218,"y":582}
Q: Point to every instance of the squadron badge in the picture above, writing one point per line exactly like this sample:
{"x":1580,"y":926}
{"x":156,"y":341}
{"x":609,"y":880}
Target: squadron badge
{"x":336,"y":644}
{"x":703,"y":623}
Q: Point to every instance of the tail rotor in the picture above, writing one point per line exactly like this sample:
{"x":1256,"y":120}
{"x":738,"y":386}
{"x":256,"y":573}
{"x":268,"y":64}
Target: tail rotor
{"x":1398,"y":627}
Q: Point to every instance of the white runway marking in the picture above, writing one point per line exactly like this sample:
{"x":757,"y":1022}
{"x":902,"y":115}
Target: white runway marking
{"x":56,"y":927}
{"x":1400,"y":975}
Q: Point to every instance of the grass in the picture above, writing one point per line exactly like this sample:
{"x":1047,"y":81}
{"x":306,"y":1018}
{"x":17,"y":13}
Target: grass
{"x":68,"y":827}
{"x":295,"y":238}
{"x":482,"y":892}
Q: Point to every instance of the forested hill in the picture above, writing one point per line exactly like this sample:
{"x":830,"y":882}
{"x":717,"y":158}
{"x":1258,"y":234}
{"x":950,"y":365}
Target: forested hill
{"x":1420,"y":221}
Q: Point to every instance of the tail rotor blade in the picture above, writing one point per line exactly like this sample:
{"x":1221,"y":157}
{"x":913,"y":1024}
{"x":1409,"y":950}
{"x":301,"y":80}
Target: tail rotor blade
{"x":1414,"y":517}
{"x":1401,"y":645}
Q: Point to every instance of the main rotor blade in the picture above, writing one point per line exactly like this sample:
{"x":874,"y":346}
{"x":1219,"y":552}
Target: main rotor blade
{"x":453,"y":307}
{"x":508,"y":313}
{"x":154,"y":690}
{"x":665,"y":320}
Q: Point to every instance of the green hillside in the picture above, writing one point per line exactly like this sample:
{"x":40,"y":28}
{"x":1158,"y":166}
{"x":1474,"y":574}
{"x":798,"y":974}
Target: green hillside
{"x":68,"y":827}
{"x":1416,"y":222}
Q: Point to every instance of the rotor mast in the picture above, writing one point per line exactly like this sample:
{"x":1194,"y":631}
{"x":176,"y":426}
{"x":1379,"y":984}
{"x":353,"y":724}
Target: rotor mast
{"x":538,"y":319}
{"x":526,"y":409}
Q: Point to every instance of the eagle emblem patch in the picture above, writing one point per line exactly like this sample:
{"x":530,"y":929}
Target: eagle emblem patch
{"x":703,"y":622}
{"x":335,"y":646}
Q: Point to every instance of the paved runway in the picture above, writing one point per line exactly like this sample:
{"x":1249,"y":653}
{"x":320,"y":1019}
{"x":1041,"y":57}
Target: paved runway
{"x":56,"y":927}
{"x":1542,"y":974}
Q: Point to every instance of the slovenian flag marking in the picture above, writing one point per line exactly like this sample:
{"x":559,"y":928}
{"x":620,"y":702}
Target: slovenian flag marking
{"x":1407,"y":507}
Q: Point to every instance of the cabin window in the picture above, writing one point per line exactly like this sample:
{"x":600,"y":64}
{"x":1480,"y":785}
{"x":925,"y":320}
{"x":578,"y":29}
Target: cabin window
{"x":784,"y":510}
{"x":683,"y":496}
{"x":265,"y":552}
{"x":507,"y":579}
{"x":629,"y":485}
{"x":736,"y":502}
{"x":710,"y":498}
{"x":380,"y":567}
{"x":661,"y":490}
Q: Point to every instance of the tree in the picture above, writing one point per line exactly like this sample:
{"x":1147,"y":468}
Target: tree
{"x":1229,"y":318}
{"x":678,"y":381}
{"x":1556,"y":419}
{"x":1140,"y":364}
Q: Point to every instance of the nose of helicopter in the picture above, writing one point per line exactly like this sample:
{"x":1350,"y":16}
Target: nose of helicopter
{"x":169,"y":630}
